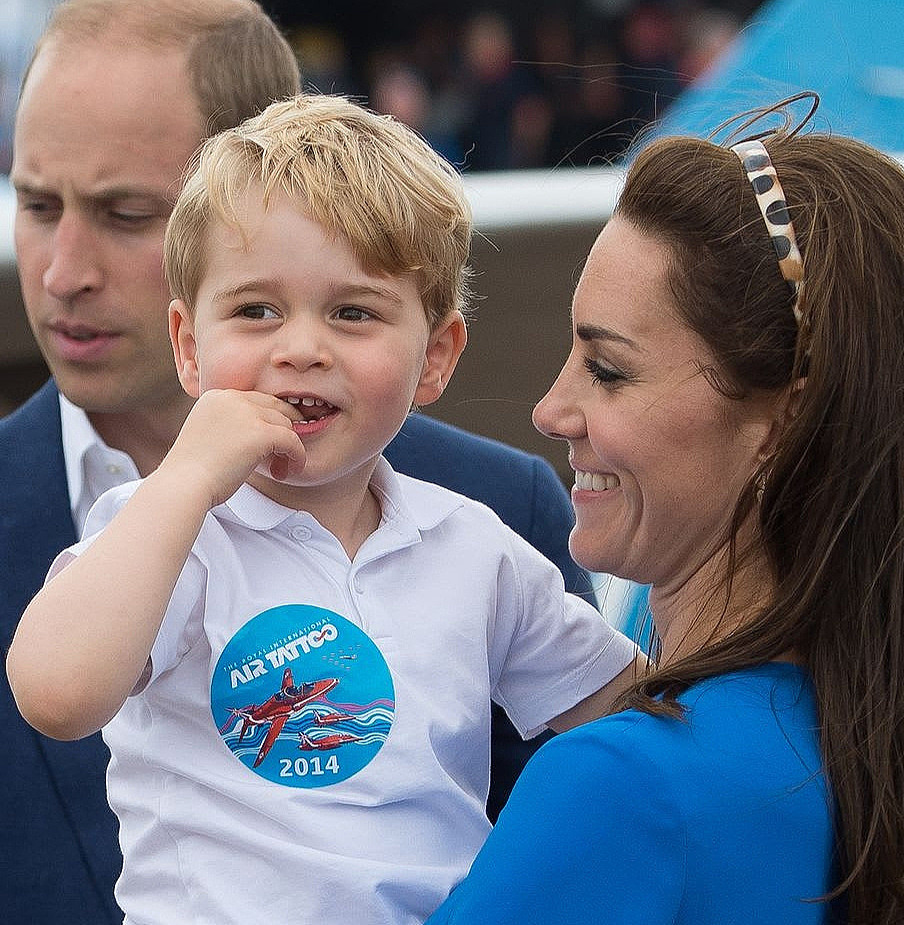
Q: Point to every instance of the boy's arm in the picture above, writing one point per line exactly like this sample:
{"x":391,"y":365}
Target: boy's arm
{"x":83,"y":643}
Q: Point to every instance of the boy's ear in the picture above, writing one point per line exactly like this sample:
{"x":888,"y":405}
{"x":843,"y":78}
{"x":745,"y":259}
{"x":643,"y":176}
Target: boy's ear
{"x":447,"y":341}
{"x":185,"y":352}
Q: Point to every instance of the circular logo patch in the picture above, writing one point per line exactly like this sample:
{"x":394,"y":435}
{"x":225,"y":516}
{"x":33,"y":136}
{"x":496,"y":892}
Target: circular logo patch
{"x":302,"y":696}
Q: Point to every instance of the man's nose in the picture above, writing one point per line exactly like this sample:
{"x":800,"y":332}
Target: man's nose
{"x":74,"y":266}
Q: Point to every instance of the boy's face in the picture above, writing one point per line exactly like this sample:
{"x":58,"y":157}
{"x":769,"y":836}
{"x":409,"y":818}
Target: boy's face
{"x":290,"y":311}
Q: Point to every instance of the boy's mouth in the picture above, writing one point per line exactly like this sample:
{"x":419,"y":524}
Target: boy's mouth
{"x":310,"y":408}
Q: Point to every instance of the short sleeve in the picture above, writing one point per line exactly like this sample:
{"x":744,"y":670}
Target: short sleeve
{"x":589,"y":834}
{"x":184,"y":611}
{"x":555,"y":650}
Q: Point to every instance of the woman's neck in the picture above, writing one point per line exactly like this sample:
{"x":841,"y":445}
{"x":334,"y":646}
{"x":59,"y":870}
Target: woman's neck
{"x":703,"y":610}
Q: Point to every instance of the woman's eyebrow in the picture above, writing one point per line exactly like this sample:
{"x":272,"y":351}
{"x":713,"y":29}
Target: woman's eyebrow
{"x":591,"y":332}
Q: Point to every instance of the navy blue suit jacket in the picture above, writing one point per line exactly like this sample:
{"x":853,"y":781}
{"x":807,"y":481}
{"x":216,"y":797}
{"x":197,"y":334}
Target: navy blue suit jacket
{"x":59,"y":855}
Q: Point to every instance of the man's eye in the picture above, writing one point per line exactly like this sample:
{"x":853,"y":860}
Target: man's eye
{"x":39,"y":208}
{"x":130,"y":218}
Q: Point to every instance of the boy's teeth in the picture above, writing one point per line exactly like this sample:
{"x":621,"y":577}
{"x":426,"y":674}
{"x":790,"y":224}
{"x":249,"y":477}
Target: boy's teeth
{"x":291,"y":400}
{"x":308,"y":402}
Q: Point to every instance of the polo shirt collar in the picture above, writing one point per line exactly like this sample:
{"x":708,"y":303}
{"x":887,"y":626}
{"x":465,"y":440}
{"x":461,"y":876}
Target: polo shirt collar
{"x":407,"y":512}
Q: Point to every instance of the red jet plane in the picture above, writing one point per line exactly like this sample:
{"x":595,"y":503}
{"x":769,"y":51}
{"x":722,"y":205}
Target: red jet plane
{"x":288,"y":701}
{"x":327,"y":742}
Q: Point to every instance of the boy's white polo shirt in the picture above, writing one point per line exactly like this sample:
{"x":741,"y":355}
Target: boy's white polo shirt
{"x":367,"y":806}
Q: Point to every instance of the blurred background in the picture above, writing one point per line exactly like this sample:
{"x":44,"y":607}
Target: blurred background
{"x":532,"y":101}
{"x":494,"y":86}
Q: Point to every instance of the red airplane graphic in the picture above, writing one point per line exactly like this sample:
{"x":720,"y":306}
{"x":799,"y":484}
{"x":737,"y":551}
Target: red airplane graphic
{"x":327,"y":742}
{"x":289,"y":700}
{"x":328,"y":718}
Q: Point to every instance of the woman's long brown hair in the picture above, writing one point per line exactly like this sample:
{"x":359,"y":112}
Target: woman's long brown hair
{"x":830,"y":500}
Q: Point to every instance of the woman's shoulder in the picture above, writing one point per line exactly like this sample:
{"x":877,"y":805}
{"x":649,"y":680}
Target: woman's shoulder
{"x":729,"y":719}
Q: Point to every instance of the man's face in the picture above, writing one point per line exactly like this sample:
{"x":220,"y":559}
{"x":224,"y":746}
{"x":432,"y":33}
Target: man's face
{"x":101,"y":139}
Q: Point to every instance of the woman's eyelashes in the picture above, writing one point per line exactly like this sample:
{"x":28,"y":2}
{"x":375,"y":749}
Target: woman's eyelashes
{"x":607,"y":376}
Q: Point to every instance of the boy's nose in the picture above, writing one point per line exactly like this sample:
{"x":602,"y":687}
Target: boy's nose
{"x":74,"y":267}
{"x":302,"y":345}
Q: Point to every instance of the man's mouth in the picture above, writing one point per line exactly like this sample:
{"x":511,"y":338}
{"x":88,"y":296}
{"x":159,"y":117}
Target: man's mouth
{"x":82,"y":335}
{"x":80,"y":343}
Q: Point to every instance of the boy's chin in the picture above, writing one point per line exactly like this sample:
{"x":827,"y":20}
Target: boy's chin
{"x":281,"y":471}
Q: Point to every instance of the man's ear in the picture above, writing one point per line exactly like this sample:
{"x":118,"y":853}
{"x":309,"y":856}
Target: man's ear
{"x":185,"y":351}
{"x":447,"y":341}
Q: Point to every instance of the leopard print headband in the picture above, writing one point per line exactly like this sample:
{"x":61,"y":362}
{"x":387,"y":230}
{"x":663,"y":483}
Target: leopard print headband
{"x":770,"y":197}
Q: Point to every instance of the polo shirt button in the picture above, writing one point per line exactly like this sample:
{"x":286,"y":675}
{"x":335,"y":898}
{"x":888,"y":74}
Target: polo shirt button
{"x":301,"y":534}
{"x":113,"y":469}
{"x":358,"y":588}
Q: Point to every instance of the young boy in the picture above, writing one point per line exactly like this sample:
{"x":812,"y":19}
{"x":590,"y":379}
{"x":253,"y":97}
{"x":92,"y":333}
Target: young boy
{"x":291,"y":648}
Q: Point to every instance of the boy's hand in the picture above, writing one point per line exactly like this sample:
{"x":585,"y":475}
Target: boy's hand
{"x":228,"y":435}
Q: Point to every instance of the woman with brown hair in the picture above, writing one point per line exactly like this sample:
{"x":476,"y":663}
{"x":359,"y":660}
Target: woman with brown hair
{"x":734,"y":408}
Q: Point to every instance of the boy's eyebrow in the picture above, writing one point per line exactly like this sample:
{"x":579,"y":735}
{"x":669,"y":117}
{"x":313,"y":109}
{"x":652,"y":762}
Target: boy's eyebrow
{"x":233,"y":292}
{"x":344,"y":291}
{"x":589,"y":332}
{"x":360,"y":289}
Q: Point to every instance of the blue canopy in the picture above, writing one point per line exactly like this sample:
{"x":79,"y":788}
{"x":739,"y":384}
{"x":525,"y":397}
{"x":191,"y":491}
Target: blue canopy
{"x":851,"y":52}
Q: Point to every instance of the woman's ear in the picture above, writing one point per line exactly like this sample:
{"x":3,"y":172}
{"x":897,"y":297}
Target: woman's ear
{"x":445,"y":346}
{"x":786,"y":410}
{"x":185,"y":350}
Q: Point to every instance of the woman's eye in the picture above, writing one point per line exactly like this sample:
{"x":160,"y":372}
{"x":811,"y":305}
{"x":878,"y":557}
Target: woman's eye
{"x":257,"y":312}
{"x":606,"y":376}
{"x":351,"y":313}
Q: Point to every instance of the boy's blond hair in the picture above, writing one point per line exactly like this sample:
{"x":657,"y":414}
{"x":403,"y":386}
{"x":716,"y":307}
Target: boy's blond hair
{"x":363,"y":176}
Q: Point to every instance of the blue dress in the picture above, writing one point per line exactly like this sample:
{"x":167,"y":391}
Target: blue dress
{"x":721,"y":818}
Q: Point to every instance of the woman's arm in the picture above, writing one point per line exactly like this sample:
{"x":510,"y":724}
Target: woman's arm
{"x":589,"y":835}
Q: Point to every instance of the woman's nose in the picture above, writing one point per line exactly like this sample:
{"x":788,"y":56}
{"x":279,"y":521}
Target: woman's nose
{"x":557,"y":414}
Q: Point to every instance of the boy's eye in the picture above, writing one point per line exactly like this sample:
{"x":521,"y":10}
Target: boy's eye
{"x":606,"y":376}
{"x":257,"y":312}
{"x":352,"y":313}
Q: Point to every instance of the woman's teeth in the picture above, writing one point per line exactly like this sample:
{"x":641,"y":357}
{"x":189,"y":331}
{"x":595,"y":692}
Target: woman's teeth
{"x":594,"y":481}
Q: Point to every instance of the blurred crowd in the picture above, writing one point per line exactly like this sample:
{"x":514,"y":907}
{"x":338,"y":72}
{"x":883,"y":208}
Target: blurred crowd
{"x":513,"y":85}
{"x":524,"y":86}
